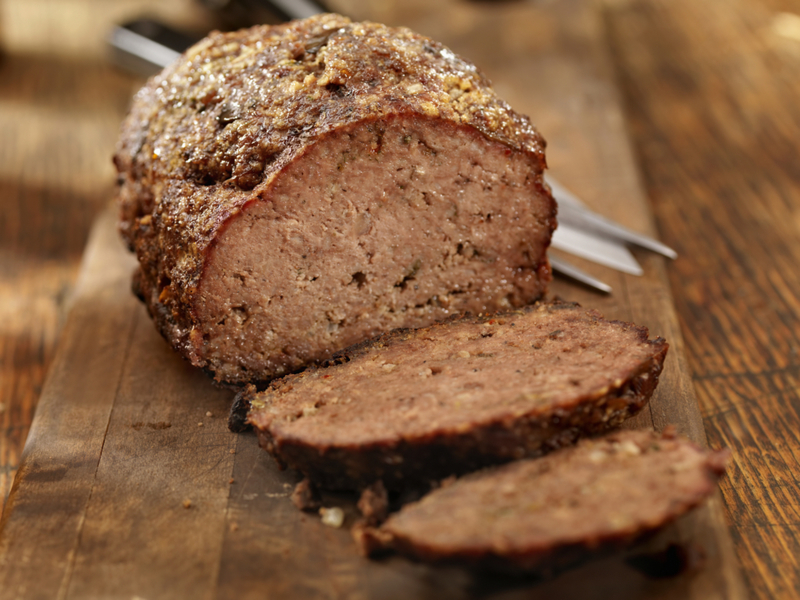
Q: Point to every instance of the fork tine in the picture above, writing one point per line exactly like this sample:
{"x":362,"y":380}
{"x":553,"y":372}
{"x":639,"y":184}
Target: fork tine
{"x":572,"y":211}
{"x":566,"y":268}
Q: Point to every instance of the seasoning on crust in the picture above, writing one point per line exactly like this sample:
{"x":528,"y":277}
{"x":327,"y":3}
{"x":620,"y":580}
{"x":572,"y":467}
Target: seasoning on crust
{"x":414,"y":406}
{"x":291,"y":190}
{"x":548,"y":513}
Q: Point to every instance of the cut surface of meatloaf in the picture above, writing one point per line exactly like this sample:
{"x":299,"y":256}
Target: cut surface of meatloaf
{"x":292,"y":190}
{"x":543,"y":514}
{"x":413,"y":406}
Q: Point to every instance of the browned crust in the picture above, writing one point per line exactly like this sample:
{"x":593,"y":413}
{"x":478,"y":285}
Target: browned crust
{"x":409,"y":462}
{"x":213,"y":131}
{"x":545,"y":559}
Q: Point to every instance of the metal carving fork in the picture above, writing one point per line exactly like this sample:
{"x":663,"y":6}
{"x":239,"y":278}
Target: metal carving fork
{"x":594,"y":237}
{"x":147,"y":46}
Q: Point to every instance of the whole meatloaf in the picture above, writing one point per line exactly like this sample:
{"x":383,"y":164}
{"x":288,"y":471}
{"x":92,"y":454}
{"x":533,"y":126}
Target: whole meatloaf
{"x":417,"y":405}
{"x":292,"y":190}
{"x":545,"y":514}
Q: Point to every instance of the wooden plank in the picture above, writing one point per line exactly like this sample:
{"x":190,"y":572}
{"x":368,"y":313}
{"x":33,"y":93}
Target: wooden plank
{"x":54,"y":177}
{"x":161,"y":486}
{"x":61,"y":101}
{"x":98,"y":507}
{"x":711,"y":89}
{"x":45,"y":511}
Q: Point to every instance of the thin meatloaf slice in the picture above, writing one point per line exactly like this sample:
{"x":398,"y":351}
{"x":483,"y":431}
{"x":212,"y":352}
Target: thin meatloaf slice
{"x":292,"y":190}
{"x":415,"y":406}
{"x":545,"y":514}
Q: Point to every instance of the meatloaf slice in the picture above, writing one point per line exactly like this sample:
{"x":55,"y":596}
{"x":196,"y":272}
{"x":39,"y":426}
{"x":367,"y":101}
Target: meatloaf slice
{"x":542,"y":514}
{"x":292,"y":190}
{"x":413,"y":406}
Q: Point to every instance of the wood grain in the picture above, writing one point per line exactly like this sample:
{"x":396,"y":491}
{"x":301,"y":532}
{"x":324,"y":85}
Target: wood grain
{"x":60,"y":107}
{"x":711,"y":89}
{"x":48,"y":203}
{"x":709,"y":94}
{"x":65,"y":443}
{"x":131,"y":486}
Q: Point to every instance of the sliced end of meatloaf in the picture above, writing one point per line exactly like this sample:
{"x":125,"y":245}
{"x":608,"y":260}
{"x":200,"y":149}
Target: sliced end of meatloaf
{"x":413,"y":406}
{"x":291,"y":190}
{"x":543,"y":514}
{"x":388,"y":224}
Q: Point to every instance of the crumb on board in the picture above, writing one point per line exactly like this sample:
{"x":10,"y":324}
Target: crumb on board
{"x":187,"y":503}
{"x":209,"y":414}
{"x":231,"y":480}
{"x":200,"y":424}
{"x":332,"y":517}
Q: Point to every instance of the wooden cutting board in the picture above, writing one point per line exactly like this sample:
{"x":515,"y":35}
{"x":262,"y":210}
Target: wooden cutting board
{"x":131,"y":486}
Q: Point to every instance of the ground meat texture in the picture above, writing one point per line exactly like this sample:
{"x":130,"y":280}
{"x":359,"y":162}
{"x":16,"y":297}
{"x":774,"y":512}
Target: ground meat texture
{"x":414,"y":406}
{"x":292,"y":190}
{"x":305,"y":496}
{"x":543,"y":514}
{"x":373,"y":504}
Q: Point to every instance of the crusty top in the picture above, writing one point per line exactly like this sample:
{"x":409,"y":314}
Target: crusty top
{"x":212,"y":130}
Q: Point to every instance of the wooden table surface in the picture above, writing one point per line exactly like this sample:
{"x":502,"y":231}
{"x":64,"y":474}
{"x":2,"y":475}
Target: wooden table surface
{"x":711,"y":91}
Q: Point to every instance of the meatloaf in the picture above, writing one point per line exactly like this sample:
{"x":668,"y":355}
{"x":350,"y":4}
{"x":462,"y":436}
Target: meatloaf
{"x":416,"y":405}
{"x":544,"y":514}
{"x":292,"y":190}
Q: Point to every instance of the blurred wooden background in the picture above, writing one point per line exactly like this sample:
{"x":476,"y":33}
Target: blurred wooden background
{"x":712,"y":96}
